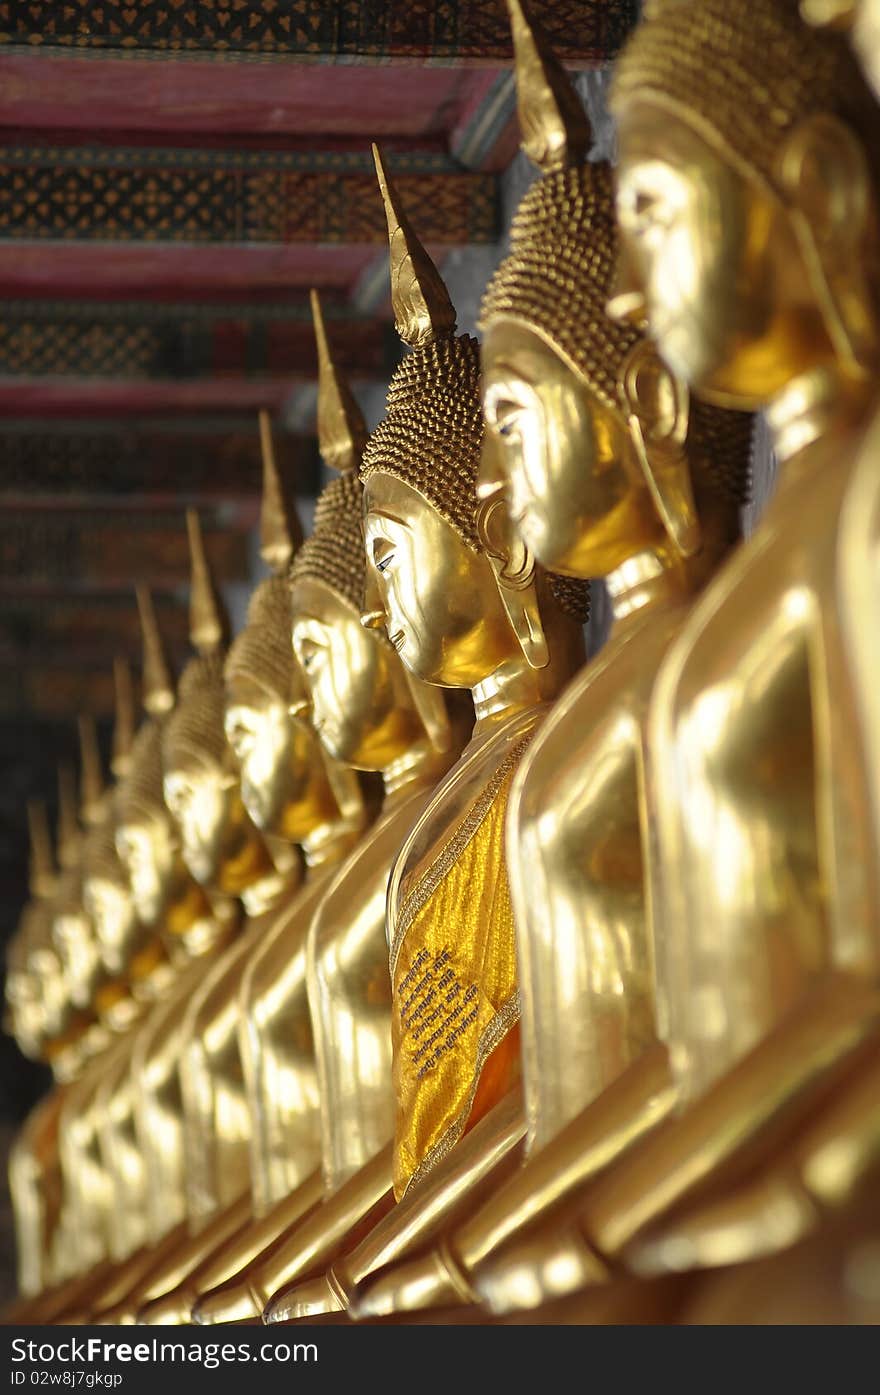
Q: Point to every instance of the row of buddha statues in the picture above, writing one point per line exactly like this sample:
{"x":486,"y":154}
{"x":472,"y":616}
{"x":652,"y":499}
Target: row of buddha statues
{"x":417,"y":968}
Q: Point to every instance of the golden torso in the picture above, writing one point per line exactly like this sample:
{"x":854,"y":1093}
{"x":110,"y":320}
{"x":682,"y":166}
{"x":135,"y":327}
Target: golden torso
{"x":765,"y":786}
{"x":584,"y":877}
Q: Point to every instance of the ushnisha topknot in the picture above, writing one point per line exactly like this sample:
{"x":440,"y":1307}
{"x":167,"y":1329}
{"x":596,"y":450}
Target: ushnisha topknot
{"x":196,"y":725}
{"x":432,"y":433}
{"x":334,"y":553}
{"x":743,"y":74}
{"x":261,"y":653}
{"x":559,"y":274}
{"x":139,"y":794}
{"x":100,"y":858}
{"x":564,"y":234}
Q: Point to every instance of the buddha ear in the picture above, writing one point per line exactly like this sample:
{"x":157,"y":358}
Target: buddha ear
{"x":657,"y":408}
{"x":515,"y":575}
{"x":824,"y":174}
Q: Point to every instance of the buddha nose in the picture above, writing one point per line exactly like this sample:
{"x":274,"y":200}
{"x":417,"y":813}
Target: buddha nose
{"x":373,"y":619}
{"x":626,"y":303}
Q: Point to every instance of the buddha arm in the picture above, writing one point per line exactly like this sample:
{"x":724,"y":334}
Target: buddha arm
{"x":276,"y":1047}
{"x":551,"y":1179}
{"x":579,"y":852}
{"x":715,"y":1142}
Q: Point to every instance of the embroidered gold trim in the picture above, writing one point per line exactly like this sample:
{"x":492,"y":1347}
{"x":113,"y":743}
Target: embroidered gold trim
{"x":493,"y":1033}
{"x":453,"y":850}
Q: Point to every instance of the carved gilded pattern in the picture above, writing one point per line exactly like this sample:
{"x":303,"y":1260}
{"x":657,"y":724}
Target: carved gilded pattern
{"x":588,"y":29}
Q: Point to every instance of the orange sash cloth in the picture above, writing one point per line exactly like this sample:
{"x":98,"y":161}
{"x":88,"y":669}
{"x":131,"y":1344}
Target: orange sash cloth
{"x":453,"y":974}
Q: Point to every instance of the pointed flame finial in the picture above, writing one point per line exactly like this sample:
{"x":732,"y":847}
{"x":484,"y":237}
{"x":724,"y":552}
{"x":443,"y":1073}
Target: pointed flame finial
{"x":123,"y":726}
{"x":342,"y":431}
{"x":555,"y":128}
{"x":280,"y":529}
{"x":156,"y":683}
{"x":423,"y":312}
{"x":91,"y":776}
{"x":207,"y":621}
{"x":68,"y":839}
{"x":41,"y":872}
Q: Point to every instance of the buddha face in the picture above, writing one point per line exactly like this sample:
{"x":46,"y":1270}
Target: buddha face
{"x":148,"y":850}
{"x":712,"y":263}
{"x":217,"y":838}
{"x":111,"y":910}
{"x":359,"y":703}
{"x":74,"y":937}
{"x":563,"y":460}
{"x":47,"y":974}
{"x":442,"y":610}
{"x":277,"y":755}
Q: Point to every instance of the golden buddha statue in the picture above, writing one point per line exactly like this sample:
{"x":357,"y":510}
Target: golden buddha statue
{"x":296,"y":794}
{"x":607,"y":468}
{"x":747,"y":203}
{"x":819,"y":1191}
{"x":465,"y":607}
{"x":136,"y":966}
{"x":171,"y":904}
{"x":225,"y":853}
{"x":55,"y":1172}
{"x":72,"y":931}
{"x":99,"y":1123}
{"x":372,"y":716}
{"x":88,"y":1189}
{"x":34,"y":985}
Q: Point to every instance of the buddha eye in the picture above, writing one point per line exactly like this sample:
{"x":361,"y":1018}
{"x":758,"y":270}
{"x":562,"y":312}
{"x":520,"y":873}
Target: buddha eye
{"x":504,"y":417}
{"x":383,"y":554}
{"x":309,"y":654}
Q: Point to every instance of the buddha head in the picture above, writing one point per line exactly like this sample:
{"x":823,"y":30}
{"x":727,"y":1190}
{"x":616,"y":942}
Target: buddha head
{"x":34,"y":980}
{"x":146,"y":838}
{"x":365,"y":707}
{"x":460,"y":597}
{"x":594,"y":442}
{"x":107,"y":893}
{"x":746,"y":196}
{"x":221,"y":847}
{"x":290,"y":785}
{"x":72,"y":930}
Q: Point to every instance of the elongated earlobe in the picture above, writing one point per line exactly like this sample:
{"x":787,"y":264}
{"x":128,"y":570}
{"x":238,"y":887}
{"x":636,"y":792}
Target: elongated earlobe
{"x":824,"y":172}
{"x":657,"y":408}
{"x":515,"y":576}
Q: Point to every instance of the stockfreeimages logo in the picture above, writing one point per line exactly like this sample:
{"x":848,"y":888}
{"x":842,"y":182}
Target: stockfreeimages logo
{"x":95,"y":1350}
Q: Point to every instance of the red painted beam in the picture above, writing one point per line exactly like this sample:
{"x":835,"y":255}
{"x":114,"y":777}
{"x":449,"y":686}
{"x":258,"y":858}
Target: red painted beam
{"x":104,"y":397}
{"x":178,"y":270}
{"x":306,"y":101}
